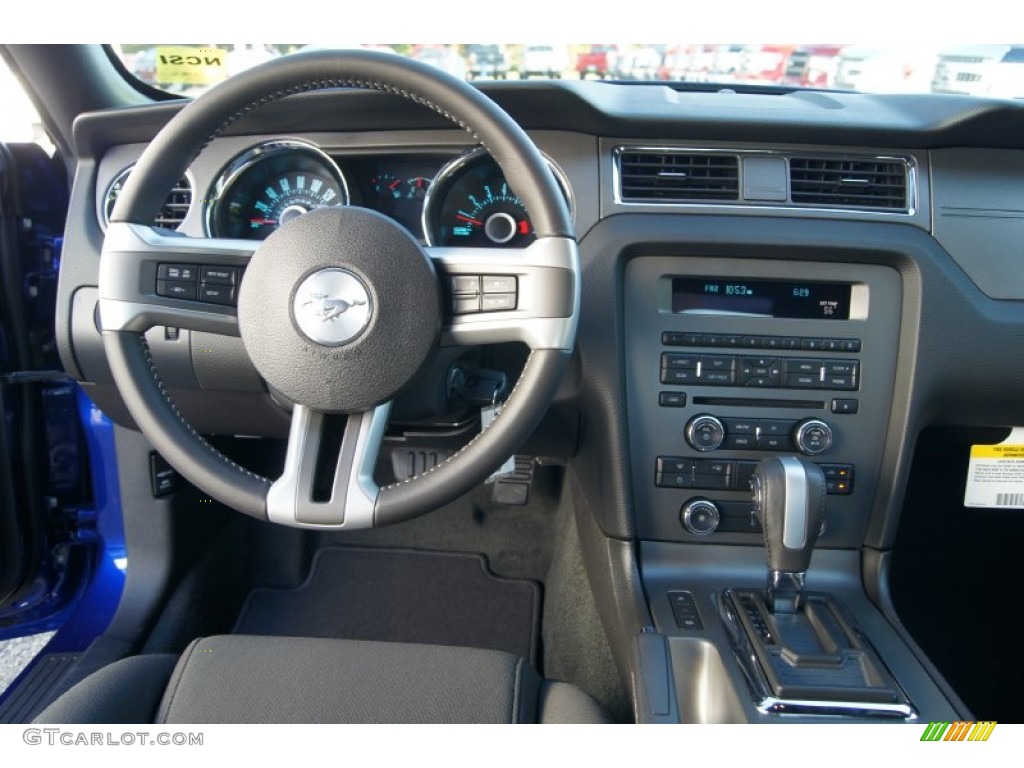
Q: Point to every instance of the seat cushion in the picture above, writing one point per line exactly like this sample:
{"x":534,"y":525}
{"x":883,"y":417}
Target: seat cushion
{"x":249,"y":679}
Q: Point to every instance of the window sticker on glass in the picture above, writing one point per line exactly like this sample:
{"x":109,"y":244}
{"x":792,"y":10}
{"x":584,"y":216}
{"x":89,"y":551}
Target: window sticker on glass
{"x":995,"y":476}
{"x":187,"y":65}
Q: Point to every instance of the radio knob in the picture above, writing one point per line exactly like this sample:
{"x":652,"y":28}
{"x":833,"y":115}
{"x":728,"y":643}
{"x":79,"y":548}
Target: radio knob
{"x":700,"y":517}
{"x":705,"y":432}
{"x":812,"y":436}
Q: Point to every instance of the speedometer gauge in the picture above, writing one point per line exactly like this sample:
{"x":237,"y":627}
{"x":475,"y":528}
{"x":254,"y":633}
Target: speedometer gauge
{"x":471,"y":204}
{"x":267,"y":186}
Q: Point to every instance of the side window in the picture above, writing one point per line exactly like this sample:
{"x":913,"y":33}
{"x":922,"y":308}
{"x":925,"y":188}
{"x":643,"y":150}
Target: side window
{"x":19,"y":121}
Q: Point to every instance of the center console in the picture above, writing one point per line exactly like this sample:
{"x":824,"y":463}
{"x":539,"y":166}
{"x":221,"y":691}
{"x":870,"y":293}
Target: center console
{"x":732,"y":360}
{"x":759,"y":393}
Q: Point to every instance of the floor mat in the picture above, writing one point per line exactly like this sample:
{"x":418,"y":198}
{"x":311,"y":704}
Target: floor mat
{"x":401,"y":596}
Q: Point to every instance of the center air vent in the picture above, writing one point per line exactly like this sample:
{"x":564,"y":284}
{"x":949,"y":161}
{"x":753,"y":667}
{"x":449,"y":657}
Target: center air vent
{"x":867,"y":183}
{"x":674,"y":177}
{"x":174,"y":210}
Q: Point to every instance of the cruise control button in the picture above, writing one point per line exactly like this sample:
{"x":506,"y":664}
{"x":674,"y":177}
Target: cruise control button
{"x":499,"y":283}
{"x":497,"y":302}
{"x":176,"y":289}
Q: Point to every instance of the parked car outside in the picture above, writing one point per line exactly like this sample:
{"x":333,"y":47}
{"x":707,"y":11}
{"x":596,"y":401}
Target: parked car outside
{"x":544,"y":61}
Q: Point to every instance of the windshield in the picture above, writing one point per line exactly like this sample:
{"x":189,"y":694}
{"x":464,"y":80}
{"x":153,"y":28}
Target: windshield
{"x":993,"y":70}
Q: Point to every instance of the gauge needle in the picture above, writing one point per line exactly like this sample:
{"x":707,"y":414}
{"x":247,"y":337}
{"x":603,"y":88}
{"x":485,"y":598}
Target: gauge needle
{"x":262,"y":221}
{"x":467,"y":219}
{"x":394,"y":184}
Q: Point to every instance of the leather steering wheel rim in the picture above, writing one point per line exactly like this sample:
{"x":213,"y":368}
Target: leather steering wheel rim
{"x":171,"y":152}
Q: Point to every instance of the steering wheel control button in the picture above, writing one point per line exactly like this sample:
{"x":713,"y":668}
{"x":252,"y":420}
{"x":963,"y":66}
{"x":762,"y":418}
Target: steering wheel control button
{"x":705,"y":433}
{"x":700,"y":517}
{"x":176,"y":289}
{"x":215,"y":293}
{"x":498,"y":302}
{"x":332,"y":307}
{"x":499,"y":284}
{"x":812,"y":436}
{"x":183,"y":272}
{"x":465,"y":305}
{"x":219,"y":275}
{"x":464,"y":285}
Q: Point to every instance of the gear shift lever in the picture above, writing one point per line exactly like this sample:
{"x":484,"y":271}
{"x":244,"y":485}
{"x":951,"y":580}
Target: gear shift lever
{"x":789,"y":501}
{"x":798,"y":650}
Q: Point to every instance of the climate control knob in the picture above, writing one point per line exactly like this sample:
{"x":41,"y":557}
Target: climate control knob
{"x":705,"y":432}
{"x":812,"y":436}
{"x":700,"y":516}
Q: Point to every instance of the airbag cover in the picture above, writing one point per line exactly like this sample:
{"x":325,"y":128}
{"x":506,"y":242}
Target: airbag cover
{"x":339,"y":309}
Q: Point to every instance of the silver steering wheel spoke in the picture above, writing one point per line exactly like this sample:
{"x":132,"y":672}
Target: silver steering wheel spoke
{"x":150,"y":276}
{"x":337,"y":494}
{"x":496,"y":295}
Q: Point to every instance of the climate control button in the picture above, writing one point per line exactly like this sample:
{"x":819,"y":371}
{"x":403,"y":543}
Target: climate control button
{"x":700,"y":517}
{"x":705,"y":432}
{"x":812,"y":436}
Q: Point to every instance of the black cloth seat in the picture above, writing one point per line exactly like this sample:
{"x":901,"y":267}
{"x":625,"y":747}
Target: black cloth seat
{"x":253,"y":679}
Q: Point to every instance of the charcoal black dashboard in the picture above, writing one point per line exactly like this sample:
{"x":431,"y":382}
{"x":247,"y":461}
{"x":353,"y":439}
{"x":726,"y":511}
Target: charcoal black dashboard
{"x":942,"y":325}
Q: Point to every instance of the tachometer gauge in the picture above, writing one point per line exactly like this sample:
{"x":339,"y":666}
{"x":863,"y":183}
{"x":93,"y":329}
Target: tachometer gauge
{"x":471,"y":204}
{"x":267,"y":186}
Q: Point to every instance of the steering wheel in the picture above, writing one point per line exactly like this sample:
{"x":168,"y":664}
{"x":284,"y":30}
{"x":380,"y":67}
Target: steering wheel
{"x":339,"y":308}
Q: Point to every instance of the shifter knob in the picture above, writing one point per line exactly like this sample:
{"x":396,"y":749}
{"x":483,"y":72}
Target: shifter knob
{"x":789,"y":500}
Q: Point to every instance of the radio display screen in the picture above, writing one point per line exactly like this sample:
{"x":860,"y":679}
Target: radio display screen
{"x":760,"y":298}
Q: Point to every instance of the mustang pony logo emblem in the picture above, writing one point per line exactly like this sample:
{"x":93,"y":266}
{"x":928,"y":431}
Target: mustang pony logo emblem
{"x":330,"y":309}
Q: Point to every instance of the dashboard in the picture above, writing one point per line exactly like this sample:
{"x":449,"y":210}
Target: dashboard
{"x":811,"y":280}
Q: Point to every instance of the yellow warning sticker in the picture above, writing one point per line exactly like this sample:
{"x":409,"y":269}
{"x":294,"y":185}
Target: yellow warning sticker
{"x":995,"y":475}
{"x":186,"y":65}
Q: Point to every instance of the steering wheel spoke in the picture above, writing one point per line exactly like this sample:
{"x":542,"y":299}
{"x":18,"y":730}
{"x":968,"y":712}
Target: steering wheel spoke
{"x":150,"y":276}
{"x":328,"y":475}
{"x":526,"y":294}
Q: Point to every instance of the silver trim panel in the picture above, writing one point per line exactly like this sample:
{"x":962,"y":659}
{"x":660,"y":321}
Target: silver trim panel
{"x":354,"y":493}
{"x":543,"y":318}
{"x":794,"y":521}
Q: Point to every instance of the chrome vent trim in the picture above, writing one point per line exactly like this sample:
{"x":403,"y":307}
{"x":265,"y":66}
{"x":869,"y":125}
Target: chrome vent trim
{"x":826,"y":182}
{"x":671,"y":176}
{"x":175,"y":207}
{"x":857,"y":183}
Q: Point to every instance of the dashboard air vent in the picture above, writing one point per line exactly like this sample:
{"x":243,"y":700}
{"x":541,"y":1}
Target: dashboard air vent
{"x":859,"y":183}
{"x":174,"y":210}
{"x":672,"y":177}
